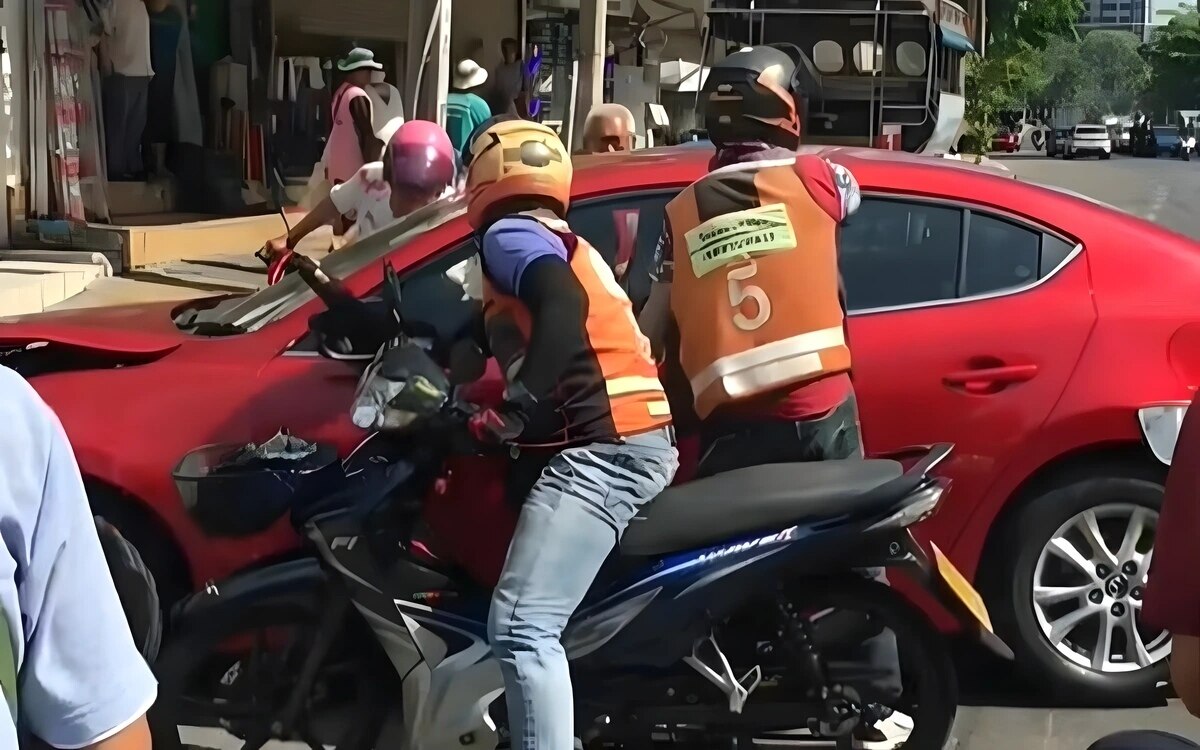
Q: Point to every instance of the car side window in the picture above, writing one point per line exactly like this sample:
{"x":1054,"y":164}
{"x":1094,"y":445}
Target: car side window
{"x":999,"y":255}
{"x":433,"y":303}
{"x":625,"y":232}
{"x":896,"y":252}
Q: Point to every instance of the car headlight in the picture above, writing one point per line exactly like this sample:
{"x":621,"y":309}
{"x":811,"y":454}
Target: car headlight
{"x":1160,"y":424}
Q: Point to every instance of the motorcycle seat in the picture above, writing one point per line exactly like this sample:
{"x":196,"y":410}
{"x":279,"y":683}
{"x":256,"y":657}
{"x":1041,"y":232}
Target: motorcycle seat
{"x":729,"y":506}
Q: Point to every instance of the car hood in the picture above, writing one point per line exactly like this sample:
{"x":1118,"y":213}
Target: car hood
{"x":128,"y":329}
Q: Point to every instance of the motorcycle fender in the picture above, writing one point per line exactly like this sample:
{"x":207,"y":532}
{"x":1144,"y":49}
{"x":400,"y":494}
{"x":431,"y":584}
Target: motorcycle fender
{"x":906,"y":554}
{"x":300,"y":582}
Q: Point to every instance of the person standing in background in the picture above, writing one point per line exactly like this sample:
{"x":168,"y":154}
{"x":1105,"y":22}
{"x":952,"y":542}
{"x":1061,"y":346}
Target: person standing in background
{"x":352,"y":140}
{"x":387,"y":108}
{"x":166,"y":27}
{"x":608,"y":128}
{"x":465,"y":110}
{"x":510,"y":85}
{"x":127,"y":69}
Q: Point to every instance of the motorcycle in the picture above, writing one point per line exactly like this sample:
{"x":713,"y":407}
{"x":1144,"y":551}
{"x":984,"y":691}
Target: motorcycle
{"x":705,"y":624}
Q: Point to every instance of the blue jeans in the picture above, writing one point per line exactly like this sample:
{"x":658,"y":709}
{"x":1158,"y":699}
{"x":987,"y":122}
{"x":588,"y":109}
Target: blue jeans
{"x":570,"y":522}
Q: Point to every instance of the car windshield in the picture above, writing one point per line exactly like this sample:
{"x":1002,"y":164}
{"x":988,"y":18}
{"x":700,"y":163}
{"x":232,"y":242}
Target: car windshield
{"x":1091,"y":130}
{"x":251,"y":312}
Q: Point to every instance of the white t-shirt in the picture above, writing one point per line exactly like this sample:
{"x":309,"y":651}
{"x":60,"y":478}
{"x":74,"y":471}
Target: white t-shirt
{"x":126,"y":40}
{"x":367,"y":198}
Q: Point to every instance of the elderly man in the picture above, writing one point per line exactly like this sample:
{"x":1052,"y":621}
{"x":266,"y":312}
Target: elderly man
{"x":608,"y":128}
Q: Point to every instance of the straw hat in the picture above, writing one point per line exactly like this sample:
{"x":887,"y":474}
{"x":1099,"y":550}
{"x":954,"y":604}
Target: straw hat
{"x":468,"y":75}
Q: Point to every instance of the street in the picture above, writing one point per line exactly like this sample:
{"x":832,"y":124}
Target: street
{"x":1164,"y":191}
{"x":998,"y":712}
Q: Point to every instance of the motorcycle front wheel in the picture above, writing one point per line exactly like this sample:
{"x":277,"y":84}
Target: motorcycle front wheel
{"x":237,"y":673}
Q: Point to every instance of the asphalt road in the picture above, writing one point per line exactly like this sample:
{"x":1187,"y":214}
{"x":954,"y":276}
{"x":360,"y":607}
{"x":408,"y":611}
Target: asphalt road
{"x":1165,"y":191}
{"x":1002,"y":713}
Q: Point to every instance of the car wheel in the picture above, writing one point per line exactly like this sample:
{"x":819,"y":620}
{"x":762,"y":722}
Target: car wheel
{"x":1105,"y":155}
{"x":1073,"y":570}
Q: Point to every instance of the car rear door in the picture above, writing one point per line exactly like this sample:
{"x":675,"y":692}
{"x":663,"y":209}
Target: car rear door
{"x":965,"y":327}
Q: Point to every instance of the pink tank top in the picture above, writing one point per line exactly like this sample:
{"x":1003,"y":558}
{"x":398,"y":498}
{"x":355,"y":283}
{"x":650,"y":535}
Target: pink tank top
{"x":343,"y":155}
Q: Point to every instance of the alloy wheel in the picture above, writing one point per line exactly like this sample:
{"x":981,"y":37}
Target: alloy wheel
{"x":1088,"y":587}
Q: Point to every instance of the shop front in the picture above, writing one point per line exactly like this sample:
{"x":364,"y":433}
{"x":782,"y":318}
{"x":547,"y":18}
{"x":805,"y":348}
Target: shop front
{"x":157,"y":113}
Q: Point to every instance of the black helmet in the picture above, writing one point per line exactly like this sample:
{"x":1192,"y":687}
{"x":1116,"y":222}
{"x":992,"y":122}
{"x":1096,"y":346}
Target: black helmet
{"x":751,"y":96}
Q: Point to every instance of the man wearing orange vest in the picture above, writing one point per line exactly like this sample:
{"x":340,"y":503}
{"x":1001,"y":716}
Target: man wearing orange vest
{"x":582,"y":394}
{"x":755,"y":297}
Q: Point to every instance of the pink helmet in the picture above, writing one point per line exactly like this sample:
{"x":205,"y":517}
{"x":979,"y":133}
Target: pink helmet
{"x":420,"y":155}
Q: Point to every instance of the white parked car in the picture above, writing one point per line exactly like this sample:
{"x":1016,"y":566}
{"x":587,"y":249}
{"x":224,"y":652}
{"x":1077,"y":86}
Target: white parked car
{"x":1086,"y":140}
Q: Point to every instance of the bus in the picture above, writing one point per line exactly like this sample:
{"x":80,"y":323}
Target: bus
{"x":878,"y":73}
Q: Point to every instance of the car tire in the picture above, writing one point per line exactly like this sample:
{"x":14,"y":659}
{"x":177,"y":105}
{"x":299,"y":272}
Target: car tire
{"x":151,"y":542}
{"x":1023,"y":542}
{"x":1105,"y":155}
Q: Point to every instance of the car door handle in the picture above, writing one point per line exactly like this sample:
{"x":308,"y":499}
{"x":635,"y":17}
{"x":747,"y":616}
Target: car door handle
{"x":987,"y":380}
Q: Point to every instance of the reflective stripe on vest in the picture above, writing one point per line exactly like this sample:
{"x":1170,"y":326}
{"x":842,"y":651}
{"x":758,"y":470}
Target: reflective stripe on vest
{"x":755,"y":289}
{"x":637,"y":400}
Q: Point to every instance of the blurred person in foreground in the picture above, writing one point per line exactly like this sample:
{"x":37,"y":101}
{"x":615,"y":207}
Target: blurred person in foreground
{"x":82,"y":683}
{"x":608,"y":128}
{"x":1168,"y":588}
{"x":419,"y":166}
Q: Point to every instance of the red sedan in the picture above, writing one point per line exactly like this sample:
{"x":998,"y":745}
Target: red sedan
{"x":1053,"y":339}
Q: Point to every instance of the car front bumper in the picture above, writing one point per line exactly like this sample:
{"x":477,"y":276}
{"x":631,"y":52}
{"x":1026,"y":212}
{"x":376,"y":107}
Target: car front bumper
{"x":1160,"y":425}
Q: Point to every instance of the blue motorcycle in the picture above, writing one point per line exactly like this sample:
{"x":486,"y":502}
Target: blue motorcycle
{"x":734,"y":610}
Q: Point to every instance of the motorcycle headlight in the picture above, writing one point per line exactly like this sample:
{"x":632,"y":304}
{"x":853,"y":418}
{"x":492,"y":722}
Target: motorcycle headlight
{"x":1160,"y":426}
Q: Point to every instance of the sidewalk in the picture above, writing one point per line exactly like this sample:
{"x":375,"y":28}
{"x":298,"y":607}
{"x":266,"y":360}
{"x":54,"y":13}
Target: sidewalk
{"x":33,"y":281}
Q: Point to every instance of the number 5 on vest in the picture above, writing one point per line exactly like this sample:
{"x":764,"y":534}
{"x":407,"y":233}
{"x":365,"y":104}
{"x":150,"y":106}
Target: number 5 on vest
{"x":739,"y":293}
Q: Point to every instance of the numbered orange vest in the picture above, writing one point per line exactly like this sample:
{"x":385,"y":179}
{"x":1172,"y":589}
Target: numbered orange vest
{"x":755,"y":290}
{"x":631,"y":391}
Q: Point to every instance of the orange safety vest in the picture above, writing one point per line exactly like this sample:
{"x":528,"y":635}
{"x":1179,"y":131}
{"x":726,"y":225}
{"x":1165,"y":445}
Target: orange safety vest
{"x":755,"y":289}
{"x":635,"y":397}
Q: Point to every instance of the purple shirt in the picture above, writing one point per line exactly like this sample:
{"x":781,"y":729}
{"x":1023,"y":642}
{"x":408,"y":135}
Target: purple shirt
{"x":511,"y":244}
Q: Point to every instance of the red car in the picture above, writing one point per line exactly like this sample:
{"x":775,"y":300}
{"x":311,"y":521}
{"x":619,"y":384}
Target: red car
{"x":1053,"y":339}
{"x":1006,"y":142}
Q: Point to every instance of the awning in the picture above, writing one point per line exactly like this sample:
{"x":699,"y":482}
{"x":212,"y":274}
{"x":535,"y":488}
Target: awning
{"x":954,"y":39}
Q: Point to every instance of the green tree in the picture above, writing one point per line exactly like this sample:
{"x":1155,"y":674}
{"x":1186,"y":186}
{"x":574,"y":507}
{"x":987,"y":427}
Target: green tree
{"x":1174,"y":56}
{"x":1013,"y":23}
{"x":996,"y":83}
{"x":1116,"y":75}
{"x":1103,"y":73}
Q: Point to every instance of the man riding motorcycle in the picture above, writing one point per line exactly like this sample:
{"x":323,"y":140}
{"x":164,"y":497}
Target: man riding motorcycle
{"x":756,"y":303}
{"x":582,"y":398}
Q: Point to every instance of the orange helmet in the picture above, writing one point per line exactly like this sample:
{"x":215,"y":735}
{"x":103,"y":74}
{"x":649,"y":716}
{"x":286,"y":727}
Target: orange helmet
{"x":514,"y":158}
